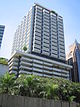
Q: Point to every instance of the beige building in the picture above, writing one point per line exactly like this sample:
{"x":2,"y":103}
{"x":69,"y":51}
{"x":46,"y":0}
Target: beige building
{"x":73,"y":58}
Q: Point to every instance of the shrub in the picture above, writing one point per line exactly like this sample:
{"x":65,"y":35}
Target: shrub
{"x":35,"y":86}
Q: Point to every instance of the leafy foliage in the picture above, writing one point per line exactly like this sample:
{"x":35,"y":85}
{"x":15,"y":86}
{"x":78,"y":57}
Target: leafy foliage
{"x":35,"y":86}
{"x":3,"y":61}
{"x":7,"y":83}
{"x":24,"y":48}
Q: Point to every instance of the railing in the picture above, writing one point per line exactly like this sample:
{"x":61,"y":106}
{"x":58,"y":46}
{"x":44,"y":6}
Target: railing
{"x":20,"y":101}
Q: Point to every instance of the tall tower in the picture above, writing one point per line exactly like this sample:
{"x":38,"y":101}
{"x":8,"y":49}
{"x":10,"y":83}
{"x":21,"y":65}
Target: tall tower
{"x":41,"y":31}
{"x":73,"y":58}
{"x":1,"y":33}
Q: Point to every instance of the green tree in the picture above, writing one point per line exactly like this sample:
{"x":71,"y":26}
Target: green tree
{"x":3,"y":61}
{"x":35,"y":86}
{"x":24,"y":48}
{"x":52,"y":91}
{"x":25,"y":84}
{"x":30,"y":85}
{"x":7,"y":83}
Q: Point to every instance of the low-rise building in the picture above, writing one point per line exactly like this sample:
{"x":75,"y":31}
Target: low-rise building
{"x":25,"y":63}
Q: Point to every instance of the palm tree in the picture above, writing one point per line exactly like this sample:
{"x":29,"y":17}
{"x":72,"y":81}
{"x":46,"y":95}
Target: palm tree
{"x":52,"y":91}
{"x":7,"y":83}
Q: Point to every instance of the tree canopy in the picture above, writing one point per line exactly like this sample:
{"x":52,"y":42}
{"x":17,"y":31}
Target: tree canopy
{"x":3,"y":61}
{"x":41,"y":87}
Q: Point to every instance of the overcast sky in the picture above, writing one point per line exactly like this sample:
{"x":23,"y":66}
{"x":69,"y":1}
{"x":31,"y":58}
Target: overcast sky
{"x":12,"y":12}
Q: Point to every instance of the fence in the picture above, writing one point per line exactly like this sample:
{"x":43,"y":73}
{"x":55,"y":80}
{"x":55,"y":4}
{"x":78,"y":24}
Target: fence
{"x":20,"y":101}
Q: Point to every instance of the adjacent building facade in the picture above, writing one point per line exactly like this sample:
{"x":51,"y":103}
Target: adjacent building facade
{"x":2,"y":27}
{"x":3,"y":69}
{"x":73,"y":58}
{"x":41,"y":31}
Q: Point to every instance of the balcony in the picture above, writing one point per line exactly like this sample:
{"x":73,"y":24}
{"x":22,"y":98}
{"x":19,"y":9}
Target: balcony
{"x":37,"y":38}
{"x":46,"y":34}
{"x":47,"y":68}
{"x":38,"y":13}
{"x":39,"y":74}
{"x":37,"y":42}
{"x":54,"y":51}
{"x":24,"y":59}
{"x":57,"y":73}
{"x":45,"y":53}
{"x":25,"y":63}
{"x":13,"y":68}
{"x":25,"y":72}
{"x":37,"y":61}
{"x":45,"y":45}
{"x":37,"y":27}
{"x":36,"y":50}
{"x":53,"y":55}
{"x":48,"y":64}
{"x":13,"y":64}
{"x":37,"y":70}
{"x":37,"y":46}
{"x":39,"y":8}
{"x":37,"y":34}
{"x":37,"y":66}
{"x":25,"y":67}
{"x":37,"y":30}
{"x":13,"y":72}
{"x":46,"y":48}
{"x":13,"y":60}
{"x":46,"y":41}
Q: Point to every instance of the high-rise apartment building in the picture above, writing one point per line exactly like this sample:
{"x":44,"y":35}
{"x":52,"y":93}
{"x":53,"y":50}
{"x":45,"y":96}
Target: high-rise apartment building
{"x":41,"y":31}
{"x":73,"y":58}
{"x":1,"y":33}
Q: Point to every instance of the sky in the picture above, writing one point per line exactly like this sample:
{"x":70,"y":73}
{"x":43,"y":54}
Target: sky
{"x":12,"y":12}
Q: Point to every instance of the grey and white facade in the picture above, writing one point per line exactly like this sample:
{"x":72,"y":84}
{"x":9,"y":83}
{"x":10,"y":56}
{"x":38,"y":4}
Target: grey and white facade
{"x":26,"y":63}
{"x":41,"y":31}
{"x":2,"y":27}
